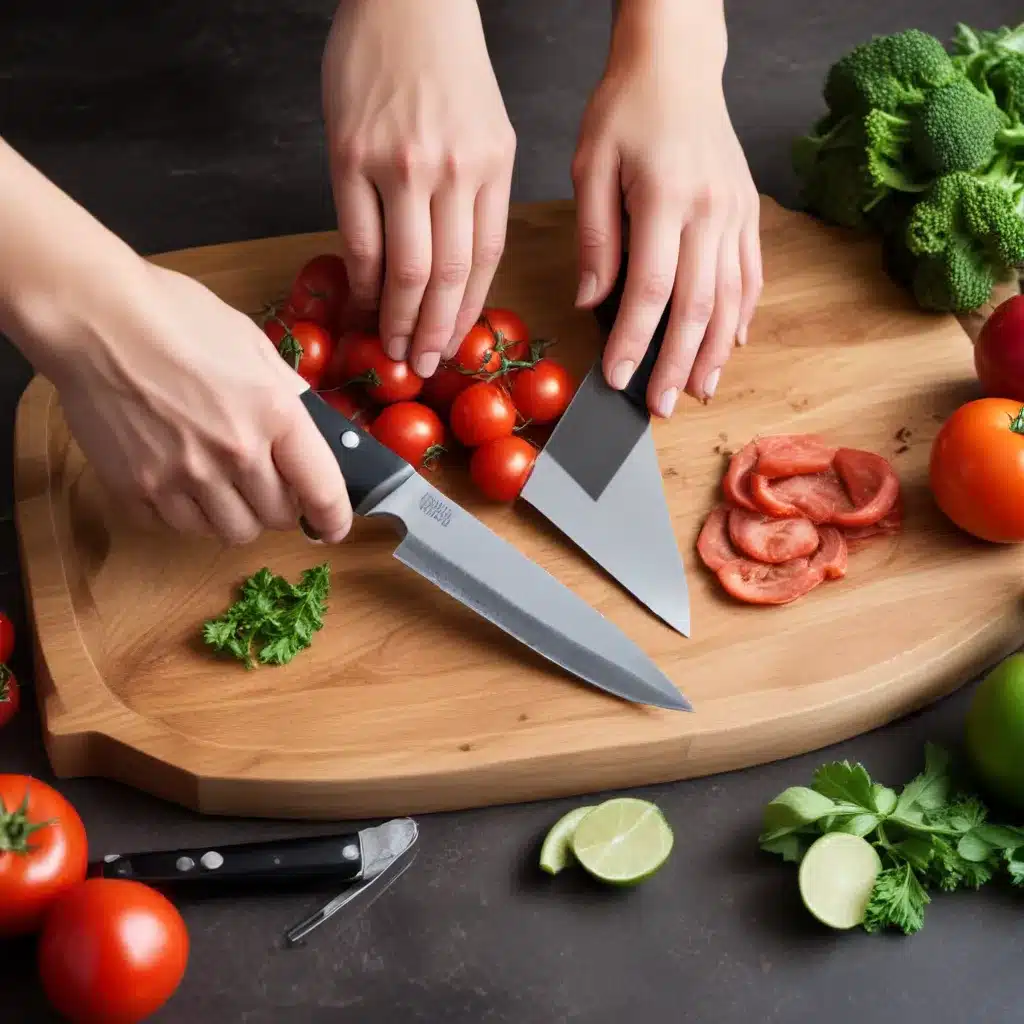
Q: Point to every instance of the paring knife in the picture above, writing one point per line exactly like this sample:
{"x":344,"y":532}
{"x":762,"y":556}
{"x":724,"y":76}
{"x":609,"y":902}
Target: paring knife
{"x":598,"y":480}
{"x":455,"y":551}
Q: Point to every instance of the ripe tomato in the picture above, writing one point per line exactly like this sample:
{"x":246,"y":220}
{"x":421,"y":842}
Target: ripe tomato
{"x":320,"y":290}
{"x":383,"y":379}
{"x":305,"y":347}
{"x":344,"y":403}
{"x":509,"y":330}
{"x":6,"y":637}
{"x":977,"y":469}
{"x":543,"y":392}
{"x":483,"y":412}
{"x":440,"y":390}
{"x":501,"y":467}
{"x":479,"y":352}
{"x":10,"y":697}
{"x":112,"y":951}
{"x":43,"y":852}
{"x":999,"y":351}
{"x":410,"y":430}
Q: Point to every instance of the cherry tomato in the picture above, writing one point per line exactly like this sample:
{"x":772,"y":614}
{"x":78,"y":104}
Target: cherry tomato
{"x":543,"y":392}
{"x":112,"y":951}
{"x":483,"y":412}
{"x":383,"y":379}
{"x":6,"y":637}
{"x":10,"y":697}
{"x":344,"y":403}
{"x":509,"y":330}
{"x":411,"y":430}
{"x":43,"y":852}
{"x":320,"y":290}
{"x":479,"y":352}
{"x":976,"y":470}
{"x":440,"y":390}
{"x":501,"y":467}
{"x":305,"y":346}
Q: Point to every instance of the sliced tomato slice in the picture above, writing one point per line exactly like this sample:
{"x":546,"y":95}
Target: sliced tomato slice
{"x":871,"y":484}
{"x":782,"y":455}
{"x":830,"y":558}
{"x":816,"y":496}
{"x":767,"y":539}
{"x":889,"y":524}
{"x":736,"y":484}
{"x":757,"y":583}
{"x":713,"y":544}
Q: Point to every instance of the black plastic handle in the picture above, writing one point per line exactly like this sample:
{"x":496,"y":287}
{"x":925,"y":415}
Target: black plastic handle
{"x":281,"y":860}
{"x":608,"y":310}
{"x":371,"y":470}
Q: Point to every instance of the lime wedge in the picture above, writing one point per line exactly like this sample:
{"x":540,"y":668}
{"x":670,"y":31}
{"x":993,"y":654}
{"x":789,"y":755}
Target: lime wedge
{"x":623,"y":841}
{"x":556,"y":853}
{"x":836,"y":877}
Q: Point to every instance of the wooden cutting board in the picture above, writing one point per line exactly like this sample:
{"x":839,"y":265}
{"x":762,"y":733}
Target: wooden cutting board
{"x":407,"y":702}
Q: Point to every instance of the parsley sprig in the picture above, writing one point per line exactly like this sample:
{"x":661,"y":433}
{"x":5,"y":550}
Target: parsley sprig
{"x":272,"y":620}
{"x":932,"y":835}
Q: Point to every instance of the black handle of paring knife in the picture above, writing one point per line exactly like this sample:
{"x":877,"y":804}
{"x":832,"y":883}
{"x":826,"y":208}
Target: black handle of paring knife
{"x":371,"y":470}
{"x":284,"y":860}
{"x":607,"y":311}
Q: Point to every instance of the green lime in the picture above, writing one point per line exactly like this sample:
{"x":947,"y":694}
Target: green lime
{"x":836,"y":877}
{"x":623,"y":841}
{"x":994,"y":738}
{"x":556,"y":853}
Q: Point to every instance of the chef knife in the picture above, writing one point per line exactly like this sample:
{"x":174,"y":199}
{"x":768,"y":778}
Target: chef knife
{"x":598,"y":480}
{"x":460,"y":555}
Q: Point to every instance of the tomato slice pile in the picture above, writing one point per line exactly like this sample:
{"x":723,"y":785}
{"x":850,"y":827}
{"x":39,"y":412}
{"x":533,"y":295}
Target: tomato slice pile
{"x":793,"y":504}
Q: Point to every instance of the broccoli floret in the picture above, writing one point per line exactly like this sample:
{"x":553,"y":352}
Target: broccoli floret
{"x":956,"y":281}
{"x":838,"y":190}
{"x":889,"y":156}
{"x":956,"y":128}
{"x":888,"y":73}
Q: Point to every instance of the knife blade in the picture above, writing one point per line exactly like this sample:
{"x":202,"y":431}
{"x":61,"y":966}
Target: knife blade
{"x":351,"y":857}
{"x":458,"y":554}
{"x":597,"y":479}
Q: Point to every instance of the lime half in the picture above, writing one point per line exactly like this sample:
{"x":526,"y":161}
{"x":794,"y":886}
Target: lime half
{"x":623,"y":841}
{"x":836,"y":877}
{"x":556,"y":853}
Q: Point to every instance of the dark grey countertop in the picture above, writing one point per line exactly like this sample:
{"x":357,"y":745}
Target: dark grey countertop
{"x":200,"y":123}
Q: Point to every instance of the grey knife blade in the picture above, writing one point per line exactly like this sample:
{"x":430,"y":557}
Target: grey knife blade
{"x":599,"y":482}
{"x":457,"y":553}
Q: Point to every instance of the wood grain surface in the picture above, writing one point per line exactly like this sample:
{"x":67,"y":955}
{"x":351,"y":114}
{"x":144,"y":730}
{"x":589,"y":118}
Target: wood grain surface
{"x":407,"y":702}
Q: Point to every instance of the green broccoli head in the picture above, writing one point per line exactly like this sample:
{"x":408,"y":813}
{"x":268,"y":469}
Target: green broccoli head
{"x":957,"y":280}
{"x":955,"y":128}
{"x":888,"y":73}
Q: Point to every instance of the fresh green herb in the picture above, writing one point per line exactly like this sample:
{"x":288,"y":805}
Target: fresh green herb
{"x":272,"y":620}
{"x":931,"y":835}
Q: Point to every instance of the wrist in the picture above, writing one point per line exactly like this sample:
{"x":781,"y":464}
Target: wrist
{"x":688,"y":33}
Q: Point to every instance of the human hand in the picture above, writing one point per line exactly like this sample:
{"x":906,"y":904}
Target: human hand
{"x":656,"y":137}
{"x":189,"y":416}
{"x":421,"y":153}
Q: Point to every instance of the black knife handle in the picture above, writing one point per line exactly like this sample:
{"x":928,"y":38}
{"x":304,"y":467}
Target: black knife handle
{"x":606,"y":313}
{"x":371,"y":470}
{"x":283,"y":860}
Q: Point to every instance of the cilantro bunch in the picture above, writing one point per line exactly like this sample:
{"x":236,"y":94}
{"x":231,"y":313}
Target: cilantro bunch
{"x":272,"y":620}
{"x":932,"y":835}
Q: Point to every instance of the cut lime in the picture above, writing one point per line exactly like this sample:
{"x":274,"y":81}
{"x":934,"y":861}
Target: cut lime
{"x":556,"y":853}
{"x":836,"y":877}
{"x":622,"y":841}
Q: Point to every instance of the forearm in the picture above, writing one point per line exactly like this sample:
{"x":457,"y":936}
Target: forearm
{"x":59,"y":267}
{"x":688,"y":31}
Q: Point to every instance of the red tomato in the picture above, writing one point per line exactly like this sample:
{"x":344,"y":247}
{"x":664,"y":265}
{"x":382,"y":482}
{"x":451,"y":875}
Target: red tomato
{"x":320,"y":290}
{"x":43,"y":852}
{"x":6,"y":637}
{"x":509,"y":331}
{"x":483,"y":412}
{"x":383,"y":379}
{"x":999,"y":351}
{"x":976,"y":470}
{"x":410,"y":430}
{"x":479,"y":352}
{"x":112,"y":951}
{"x":10,"y":697}
{"x":501,"y":467}
{"x":440,"y":390}
{"x":305,"y":346}
{"x":344,"y":403}
{"x":543,"y":392}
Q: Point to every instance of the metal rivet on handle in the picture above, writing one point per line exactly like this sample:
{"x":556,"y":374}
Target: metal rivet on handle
{"x":350,"y":852}
{"x":350,"y":439}
{"x":184,"y":863}
{"x":211,"y":860}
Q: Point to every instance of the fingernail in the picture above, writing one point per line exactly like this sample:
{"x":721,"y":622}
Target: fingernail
{"x":711,"y":382}
{"x":621,"y":373}
{"x":397,"y":347}
{"x":741,"y":337}
{"x":426,"y":364}
{"x":588,"y":288}
{"x":311,"y":535}
{"x":667,"y":402}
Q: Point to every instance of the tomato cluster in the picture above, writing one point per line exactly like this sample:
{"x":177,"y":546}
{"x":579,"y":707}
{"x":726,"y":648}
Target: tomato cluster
{"x":498,"y":383}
